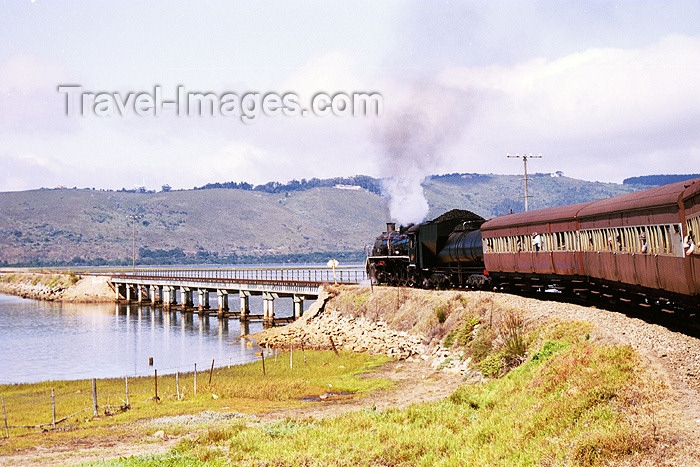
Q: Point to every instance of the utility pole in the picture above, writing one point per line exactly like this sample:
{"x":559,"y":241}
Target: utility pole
{"x":525,"y":157}
{"x":133,"y":240}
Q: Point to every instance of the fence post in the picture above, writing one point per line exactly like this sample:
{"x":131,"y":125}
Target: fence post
{"x":155,"y":379}
{"x":126,"y":384}
{"x":333,"y":345}
{"x":177,"y":384}
{"x":302,"y":350}
{"x":211,"y":372}
{"x":4,"y":416}
{"x":195,"y":379}
{"x":53,"y":409}
{"x":262,"y":354}
{"x":94,"y":396}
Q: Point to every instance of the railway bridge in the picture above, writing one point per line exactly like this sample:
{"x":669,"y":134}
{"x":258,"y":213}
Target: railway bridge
{"x":192,"y":289}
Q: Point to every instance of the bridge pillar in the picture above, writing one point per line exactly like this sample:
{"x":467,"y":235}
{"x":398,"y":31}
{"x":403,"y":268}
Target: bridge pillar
{"x":156,"y":293}
{"x":118,"y":296}
{"x":139,"y":293}
{"x":222,"y":300}
{"x":128,"y":292}
{"x":203,"y":299}
{"x":173,"y":295}
{"x":245,"y":304}
{"x":186,"y":297}
{"x":268,"y":307}
{"x":298,"y":306}
{"x":168,"y":296}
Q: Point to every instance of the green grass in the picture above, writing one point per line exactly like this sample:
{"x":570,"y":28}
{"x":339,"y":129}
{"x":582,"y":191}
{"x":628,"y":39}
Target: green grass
{"x":241,"y":388}
{"x":568,"y":404}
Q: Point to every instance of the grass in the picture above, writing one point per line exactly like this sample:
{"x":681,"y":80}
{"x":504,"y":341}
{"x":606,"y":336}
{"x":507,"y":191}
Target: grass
{"x":51,"y":280}
{"x":243,"y":388}
{"x":572,"y":402}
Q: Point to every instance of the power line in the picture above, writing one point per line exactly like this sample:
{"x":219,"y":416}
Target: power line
{"x":525,"y":157}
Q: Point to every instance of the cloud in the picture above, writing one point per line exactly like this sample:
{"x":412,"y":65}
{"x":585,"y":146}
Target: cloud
{"x":28,"y":96}
{"x":598,"y":89}
{"x":16,"y":167}
{"x":330,"y":72}
{"x":625,"y":100}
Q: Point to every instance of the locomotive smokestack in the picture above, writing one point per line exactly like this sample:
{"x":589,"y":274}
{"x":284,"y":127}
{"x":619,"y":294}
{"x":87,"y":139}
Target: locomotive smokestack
{"x":390,"y":227}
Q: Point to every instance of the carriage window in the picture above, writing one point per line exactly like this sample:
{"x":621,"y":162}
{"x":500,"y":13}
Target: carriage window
{"x":693,"y":225}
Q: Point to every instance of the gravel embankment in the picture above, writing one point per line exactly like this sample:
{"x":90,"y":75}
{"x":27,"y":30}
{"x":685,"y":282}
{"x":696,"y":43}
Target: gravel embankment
{"x":677,"y":354}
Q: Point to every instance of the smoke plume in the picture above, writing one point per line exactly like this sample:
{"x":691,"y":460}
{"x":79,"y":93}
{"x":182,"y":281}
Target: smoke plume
{"x":413,"y":137}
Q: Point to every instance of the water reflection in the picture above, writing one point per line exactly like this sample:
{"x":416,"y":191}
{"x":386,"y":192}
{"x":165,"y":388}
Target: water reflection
{"x":45,"y":340}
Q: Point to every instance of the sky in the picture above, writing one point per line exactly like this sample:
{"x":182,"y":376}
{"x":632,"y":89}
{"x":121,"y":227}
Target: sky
{"x":603,"y":90}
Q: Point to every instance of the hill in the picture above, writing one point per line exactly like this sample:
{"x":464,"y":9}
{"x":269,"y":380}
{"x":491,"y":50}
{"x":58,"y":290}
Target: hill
{"x":658,"y":180}
{"x":293,"y":222}
{"x":494,"y":195}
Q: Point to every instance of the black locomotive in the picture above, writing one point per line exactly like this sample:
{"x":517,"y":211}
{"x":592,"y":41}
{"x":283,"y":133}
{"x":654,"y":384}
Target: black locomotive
{"x":445,"y":252}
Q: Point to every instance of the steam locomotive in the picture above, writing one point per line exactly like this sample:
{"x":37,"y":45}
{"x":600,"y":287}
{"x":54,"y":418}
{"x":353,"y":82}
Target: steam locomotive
{"x":444,"y":252}
{"x":639,"y":247}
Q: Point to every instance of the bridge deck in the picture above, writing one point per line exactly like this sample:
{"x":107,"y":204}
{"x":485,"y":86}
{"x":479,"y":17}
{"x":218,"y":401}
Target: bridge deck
{"x":168,"y":286}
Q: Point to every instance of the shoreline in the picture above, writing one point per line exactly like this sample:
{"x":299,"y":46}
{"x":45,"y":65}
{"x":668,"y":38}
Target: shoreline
{"x":53,"y":286}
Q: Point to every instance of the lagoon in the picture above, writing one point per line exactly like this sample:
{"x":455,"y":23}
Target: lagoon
{"x":42,"y":341}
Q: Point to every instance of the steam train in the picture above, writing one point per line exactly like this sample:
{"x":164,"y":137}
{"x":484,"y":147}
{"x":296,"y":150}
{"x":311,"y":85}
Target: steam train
{"x":639,"y":247}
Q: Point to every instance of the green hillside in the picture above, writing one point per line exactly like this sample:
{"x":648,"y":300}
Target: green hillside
{"x":494,"y":195}
{"x":223,"y":225}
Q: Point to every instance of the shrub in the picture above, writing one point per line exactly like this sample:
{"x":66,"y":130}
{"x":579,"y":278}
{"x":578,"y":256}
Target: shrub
{"x":492,"y":366}
{"x":449,"y":340}
{"x":464,"y":334}
{"x":482,"y":343}
{"x":515,"y":347}
{"x":441,"y":313}
{"x":73,"y":278}
{"x":360,"y":300}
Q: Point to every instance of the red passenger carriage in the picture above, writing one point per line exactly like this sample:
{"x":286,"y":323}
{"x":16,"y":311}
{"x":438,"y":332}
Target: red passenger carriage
{"x":631,"y":246}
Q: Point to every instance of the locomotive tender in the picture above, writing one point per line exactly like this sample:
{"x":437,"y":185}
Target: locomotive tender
{"x":640,"y":247}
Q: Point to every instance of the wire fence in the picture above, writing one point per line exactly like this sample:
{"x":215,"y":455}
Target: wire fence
{"x":46,"y":408}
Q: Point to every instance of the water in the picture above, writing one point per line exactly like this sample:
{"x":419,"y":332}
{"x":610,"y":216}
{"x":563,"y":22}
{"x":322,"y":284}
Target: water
{"x":62,"y":341}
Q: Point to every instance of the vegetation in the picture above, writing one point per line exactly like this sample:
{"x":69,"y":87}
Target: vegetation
{"x":572,"y":402}
{"x":657,"y":180}
{"x":242,"y":388}
{"x":52,"y":281}
{"x":494,"y":195}
{"x":370,"y":184}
